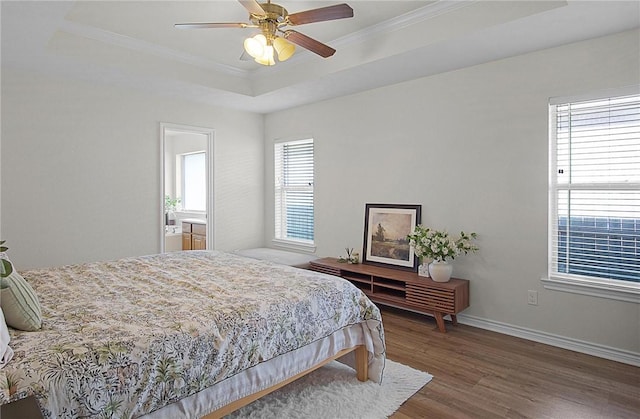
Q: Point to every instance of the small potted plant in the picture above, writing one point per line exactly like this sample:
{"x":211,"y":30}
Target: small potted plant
{"x":439,"y":246}
{"x":170,"y":205}
{"x":352,"y":257}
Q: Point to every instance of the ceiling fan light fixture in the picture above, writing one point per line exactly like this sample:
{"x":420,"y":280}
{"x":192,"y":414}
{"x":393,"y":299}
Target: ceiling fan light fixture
{"x":284,"y":48}
{"x":271,"y":19}
{"x":267,"y":56}
{"x":255,"y":46}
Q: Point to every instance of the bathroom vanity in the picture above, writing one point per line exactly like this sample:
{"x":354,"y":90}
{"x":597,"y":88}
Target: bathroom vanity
{"x":194,"y":234}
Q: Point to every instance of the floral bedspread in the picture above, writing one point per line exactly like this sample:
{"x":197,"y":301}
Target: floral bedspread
{"x":127,"y":337}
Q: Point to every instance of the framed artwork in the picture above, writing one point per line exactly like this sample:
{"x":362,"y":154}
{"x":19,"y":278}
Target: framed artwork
{"x":386,"y":227}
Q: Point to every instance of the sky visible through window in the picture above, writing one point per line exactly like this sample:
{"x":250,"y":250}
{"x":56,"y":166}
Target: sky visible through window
{"x":195,"y":182}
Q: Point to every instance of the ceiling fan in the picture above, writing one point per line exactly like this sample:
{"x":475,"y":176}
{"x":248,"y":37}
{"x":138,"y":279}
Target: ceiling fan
{"x":271,"y":19}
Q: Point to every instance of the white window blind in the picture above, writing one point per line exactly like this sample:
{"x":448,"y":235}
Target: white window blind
{"x":595,"y":189}
{"x":294,"y":212}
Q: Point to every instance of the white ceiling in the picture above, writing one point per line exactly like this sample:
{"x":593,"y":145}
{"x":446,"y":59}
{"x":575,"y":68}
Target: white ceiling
{"x":134,"y":44}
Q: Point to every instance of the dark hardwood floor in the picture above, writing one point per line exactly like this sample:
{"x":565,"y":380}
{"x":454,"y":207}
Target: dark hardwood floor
{"x":483,"y":374}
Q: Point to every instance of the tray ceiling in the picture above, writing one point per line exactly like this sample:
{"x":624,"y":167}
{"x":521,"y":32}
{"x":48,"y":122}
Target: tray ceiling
{"x":134,"y":44}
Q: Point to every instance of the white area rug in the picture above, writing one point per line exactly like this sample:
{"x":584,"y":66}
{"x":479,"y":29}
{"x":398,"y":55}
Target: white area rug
{"x":334,"y":392}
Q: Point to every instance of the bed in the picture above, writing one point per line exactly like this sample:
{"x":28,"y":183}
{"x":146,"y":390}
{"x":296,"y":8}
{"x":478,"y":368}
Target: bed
{"x":184,"y":334}
{"x":283,"y":257}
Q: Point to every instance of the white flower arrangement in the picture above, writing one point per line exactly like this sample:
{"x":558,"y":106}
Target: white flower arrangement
{"x":437,"y":245}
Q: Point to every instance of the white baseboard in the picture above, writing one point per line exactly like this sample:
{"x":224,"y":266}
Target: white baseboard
{"x":619,"y":355}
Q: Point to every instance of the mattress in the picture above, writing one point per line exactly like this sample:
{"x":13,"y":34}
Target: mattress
{"x":283,"y":257}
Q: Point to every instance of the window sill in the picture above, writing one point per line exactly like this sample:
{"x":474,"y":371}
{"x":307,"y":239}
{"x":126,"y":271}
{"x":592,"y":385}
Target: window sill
{"x":300,"y":246}
{"x":614,"y":290}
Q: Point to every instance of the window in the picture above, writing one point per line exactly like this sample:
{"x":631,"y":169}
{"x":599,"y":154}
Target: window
{"x":595,"y":191}
{"x":294,"y":214}
{"x":194,"y":182}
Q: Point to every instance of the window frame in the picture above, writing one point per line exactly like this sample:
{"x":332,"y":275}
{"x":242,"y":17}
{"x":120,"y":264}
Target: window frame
{"x":280,"y":238}
{"x":615,"y":289}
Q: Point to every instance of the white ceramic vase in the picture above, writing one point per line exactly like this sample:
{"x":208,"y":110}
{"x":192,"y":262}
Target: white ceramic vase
{"x":440,"y":271}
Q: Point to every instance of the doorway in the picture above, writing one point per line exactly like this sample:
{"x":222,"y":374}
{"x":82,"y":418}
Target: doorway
{"x":186,"y":187}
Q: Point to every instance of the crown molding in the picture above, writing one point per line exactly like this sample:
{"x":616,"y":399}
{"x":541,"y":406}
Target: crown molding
{"x":413,"y":17}
{"x":133,"y":44}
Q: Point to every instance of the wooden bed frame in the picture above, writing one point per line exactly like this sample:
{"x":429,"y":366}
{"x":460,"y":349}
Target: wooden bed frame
{"x":362,"y":366}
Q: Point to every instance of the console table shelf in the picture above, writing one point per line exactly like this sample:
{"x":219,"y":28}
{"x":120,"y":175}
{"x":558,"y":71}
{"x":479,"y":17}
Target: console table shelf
{"x":402,"y":289}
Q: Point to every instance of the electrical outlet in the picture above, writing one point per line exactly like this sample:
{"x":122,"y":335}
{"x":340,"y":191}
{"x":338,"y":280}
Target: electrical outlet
{"x":532,"y":297}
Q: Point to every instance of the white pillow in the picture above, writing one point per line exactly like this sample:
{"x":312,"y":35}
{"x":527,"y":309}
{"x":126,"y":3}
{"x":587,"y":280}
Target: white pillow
{"x":6,"y":353}
{"x":19,"y":303}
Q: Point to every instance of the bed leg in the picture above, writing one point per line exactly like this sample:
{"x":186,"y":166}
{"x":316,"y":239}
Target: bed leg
{"x":362,"y":363}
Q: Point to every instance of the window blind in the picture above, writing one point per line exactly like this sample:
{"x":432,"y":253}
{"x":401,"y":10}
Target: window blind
{"x":294,"y":210}
{"x":595,"y":189}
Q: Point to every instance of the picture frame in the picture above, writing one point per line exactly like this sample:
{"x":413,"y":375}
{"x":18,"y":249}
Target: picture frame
{"x":386,"y":227}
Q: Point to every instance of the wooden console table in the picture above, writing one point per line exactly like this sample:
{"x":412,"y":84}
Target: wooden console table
{"x":402,"y":289}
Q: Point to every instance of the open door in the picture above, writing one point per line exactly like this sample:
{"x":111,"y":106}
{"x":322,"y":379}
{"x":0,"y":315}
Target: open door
{"x":187,"y":203}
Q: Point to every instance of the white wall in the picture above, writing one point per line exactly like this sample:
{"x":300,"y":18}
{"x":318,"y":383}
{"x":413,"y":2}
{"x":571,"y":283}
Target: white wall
{"x":471,"y":146}
{"x":81,"y":170}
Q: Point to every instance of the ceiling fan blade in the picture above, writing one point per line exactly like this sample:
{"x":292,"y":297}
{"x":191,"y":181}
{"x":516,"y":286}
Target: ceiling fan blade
{"x":253,"y":7}
{"x":339,"y":11}
{"x":210,"y":25}
{"x":309,"y":43}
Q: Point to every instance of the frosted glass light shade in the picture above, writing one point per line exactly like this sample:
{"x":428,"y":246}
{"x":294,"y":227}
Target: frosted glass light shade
{"x":255,"y":46}
{"x":267,"y":56}
{"x":284,"y":48}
